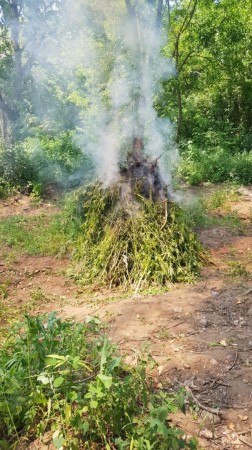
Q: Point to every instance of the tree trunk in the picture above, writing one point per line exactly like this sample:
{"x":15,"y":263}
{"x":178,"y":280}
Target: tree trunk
{"x":6,"y":109}
{"x":15,"y":35}
{"x":4,"y":128}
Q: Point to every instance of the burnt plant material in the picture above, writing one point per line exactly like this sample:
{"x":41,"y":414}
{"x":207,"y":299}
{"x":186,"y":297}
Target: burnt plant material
{"x":129,"y":240}
{"x":144,"y":173}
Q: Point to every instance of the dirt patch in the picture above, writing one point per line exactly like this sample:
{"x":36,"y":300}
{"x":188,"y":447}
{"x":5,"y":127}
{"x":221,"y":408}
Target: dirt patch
{"x":27,"y":206}
{"x":198,"y":335}
{"x":243,"y":208}
{"x":37,"y":283}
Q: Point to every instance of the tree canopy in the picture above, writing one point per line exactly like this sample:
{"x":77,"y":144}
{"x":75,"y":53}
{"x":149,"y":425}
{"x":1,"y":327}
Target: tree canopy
{"x":64,"y":68}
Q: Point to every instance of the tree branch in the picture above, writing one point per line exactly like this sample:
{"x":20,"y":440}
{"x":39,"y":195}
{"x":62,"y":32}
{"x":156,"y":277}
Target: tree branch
{"x":187,"y":21}
{"x":180,"y":67}
{"x":186,"y":25}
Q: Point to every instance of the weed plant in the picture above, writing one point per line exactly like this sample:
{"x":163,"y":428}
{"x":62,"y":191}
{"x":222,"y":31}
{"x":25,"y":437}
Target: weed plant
{"x":129,"y":241}
{"x":36,"y":161}
{"x":201,"y":213}
{"x":65,"y":380}
{"x":214,"y":163}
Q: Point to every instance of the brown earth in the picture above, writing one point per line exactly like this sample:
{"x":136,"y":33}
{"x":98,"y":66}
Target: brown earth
{"x":199,"y":335}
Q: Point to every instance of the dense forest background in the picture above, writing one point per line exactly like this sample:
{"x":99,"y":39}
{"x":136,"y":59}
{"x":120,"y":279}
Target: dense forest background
{"x":51,"y":77}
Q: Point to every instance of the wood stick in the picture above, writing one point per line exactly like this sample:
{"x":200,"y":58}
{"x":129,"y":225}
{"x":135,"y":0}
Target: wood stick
{"x":213,"y":411}
{"x":245,"y":442}
{"x":248,"y":292}
{"x":236,"y":356}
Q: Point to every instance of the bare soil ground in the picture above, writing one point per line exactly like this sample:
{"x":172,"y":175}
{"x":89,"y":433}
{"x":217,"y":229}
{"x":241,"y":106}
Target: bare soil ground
{"x":200,"y":335}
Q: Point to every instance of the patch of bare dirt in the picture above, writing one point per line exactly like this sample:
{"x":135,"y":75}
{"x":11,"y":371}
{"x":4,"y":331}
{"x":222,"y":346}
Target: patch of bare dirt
{"x":198,"y":335}
{"x":24,"y":205}
{"x":37,"y":283}
{"x":243,"y":208}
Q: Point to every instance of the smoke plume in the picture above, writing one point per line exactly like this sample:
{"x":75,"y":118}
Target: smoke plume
{"x":109,"y":67}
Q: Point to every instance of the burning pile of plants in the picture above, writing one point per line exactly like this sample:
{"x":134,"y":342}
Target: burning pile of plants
{"x":131,"y":233}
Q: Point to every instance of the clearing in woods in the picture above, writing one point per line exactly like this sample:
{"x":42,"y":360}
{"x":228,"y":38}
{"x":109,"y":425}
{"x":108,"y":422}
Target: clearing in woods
{"x":199,"y":335}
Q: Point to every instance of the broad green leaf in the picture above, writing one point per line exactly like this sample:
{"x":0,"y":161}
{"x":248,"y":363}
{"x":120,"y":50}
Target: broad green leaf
{"x":93,"y":404}
{"x":51,"y":362}
{"x":162,"y":413}
{"x":115,"y":363}
{"x":106,"y":380}
{"x":58,"y":382}
{"x":181,"y":402}
{"x":72,"y":396}
{"x":84,"y":426}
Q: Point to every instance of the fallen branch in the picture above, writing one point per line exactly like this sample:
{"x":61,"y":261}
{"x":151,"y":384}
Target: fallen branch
{"x":236,"y":406}
{"x":175,"y":325}
{"x":236,"y":356}
{"x":248,"y":292}
{"x":86,"y":379}
{"x":214,"y":411}
{"x":245,"y":442}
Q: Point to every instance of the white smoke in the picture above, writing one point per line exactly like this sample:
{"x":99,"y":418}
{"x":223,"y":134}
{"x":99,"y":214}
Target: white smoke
{"x":110,"y":67}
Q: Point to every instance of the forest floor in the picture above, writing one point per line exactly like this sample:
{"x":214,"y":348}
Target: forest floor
{"x":199,"y":335}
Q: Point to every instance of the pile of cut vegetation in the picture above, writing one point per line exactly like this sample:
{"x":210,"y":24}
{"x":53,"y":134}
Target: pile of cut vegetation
{"x":131,"y":234}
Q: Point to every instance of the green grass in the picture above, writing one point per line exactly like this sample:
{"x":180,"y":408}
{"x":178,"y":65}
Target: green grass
{"x":198,"y":215}
{"x":68,"y":382}
{"x":201,"y":213}
{"x":238,"y":270}
{"x":221,"y":197}
{"x":41,"y":235}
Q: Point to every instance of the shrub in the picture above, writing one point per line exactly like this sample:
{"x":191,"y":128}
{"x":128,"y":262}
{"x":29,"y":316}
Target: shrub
{"x":64,"y":377}
{"x":16,"y":168}
{"x":217,"y":165}
{"x":41,"y":160}
{"x":58,"y":159}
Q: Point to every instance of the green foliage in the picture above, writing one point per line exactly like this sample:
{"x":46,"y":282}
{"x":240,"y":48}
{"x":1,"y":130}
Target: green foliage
{"x":211,"y":46}
{"x":130,"y":242}
{"x":33,"y":163}
{"x":66,"y":378}
{"x":214,"y":164}
{"x":211,"y":96}
{"x":57,"y":158}
{"x":201,"y":212}
{"x":6,"y":188}
{"x":16,"y":168}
